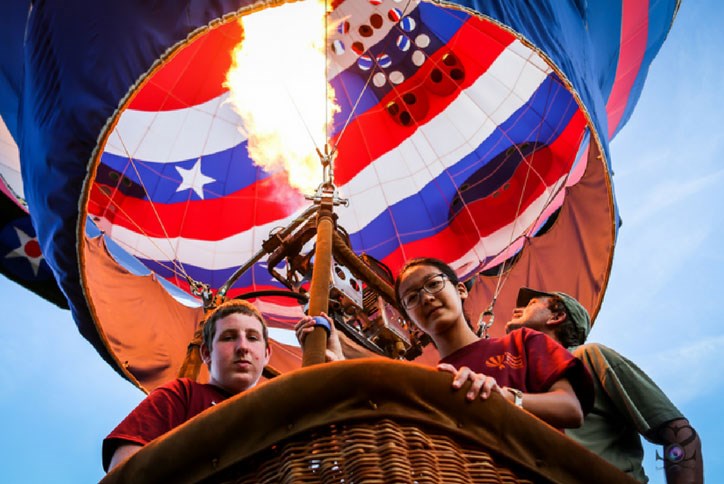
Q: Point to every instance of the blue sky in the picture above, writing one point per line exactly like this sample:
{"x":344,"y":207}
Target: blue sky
{"x":661,"y":309}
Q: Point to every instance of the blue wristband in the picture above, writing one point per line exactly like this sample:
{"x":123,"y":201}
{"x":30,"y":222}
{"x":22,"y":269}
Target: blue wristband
{"x":321,"y":321}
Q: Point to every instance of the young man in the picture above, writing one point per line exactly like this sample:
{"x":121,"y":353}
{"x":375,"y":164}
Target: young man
{"x":235,"y":348}
{"x":627,"y":404}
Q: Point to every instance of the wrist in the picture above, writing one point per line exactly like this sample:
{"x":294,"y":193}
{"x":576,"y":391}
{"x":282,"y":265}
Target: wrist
{"x":517,"y":396}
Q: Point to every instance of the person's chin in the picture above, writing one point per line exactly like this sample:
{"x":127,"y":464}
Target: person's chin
{"x":438,"y":313}
{"x":240,"y":382}
{"x":241,"y":373}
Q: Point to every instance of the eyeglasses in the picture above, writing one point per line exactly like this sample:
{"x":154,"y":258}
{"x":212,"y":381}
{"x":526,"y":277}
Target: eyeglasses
{"x":432,"y":285}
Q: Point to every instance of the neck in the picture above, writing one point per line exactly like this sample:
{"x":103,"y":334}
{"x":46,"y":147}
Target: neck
{"x":551,"y":334}
{"x":230,"y":390}
{"x":458,"y":336}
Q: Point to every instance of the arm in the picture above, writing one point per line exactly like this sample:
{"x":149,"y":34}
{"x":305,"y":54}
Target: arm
{"x":122,"y":453}
{"x":559,"y":406}
{"x":163,"y":409}
{"x":683,"y":461}
{"x":643,"y":405}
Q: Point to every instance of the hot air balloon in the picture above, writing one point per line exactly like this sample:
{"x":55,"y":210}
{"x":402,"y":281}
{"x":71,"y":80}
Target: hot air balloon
{"x":469,"y":131}
{"x":22,"y":260}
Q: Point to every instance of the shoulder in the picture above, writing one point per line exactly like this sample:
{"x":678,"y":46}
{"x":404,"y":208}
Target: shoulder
{"x":593,"y":349}
{"x":188,"y":384}
{"x":599,"y":355}
{"x":184,"y":393}
{"x":178,"y":383}
{"x":159,"y":412}
{"x":524,"y":334}
{"x":181,"y":387}
{"x":463,"y":352}
{"x":601,"y":360}
{"x":527,"y":334}
{"x":536,"y":343}
{"x":534,"y":338}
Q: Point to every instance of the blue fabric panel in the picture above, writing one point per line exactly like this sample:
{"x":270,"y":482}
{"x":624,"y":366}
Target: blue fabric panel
{"x":12,"y":30}
{"x":660,"y":18}
{"x":68,"y":98}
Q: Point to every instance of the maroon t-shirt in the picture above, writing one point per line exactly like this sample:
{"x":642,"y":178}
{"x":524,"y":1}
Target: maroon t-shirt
{"x":165,"y":408}
{"x":528,"y":360}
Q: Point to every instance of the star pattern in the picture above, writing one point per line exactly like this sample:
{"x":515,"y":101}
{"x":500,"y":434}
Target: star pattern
{"x":193,"y":179}
{"x":28,"y":249}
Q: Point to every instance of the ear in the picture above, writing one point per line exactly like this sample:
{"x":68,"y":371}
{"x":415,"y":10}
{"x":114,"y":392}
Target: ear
{"x":267,"y":354}
{"x":462,"y":290}
{"x":556,"y":319}
{"x":205,"y":354}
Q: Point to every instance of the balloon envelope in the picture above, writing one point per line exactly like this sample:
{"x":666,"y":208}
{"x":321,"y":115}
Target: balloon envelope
{"x":470,"y":132}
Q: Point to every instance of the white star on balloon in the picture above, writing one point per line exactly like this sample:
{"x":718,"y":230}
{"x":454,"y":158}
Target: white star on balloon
{"x":21,"y":252}
{"x":193,"y":179}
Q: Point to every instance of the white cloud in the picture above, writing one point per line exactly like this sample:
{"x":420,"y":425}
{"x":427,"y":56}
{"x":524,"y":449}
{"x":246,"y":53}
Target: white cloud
{"x":688,"y":372}
{"x":668,"y":193}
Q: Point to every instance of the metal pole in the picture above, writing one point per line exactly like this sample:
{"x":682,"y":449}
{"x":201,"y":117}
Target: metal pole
{"x":315,"y":344}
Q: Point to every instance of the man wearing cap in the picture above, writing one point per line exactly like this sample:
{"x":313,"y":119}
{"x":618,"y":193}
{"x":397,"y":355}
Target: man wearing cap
{"x":627,"y":402}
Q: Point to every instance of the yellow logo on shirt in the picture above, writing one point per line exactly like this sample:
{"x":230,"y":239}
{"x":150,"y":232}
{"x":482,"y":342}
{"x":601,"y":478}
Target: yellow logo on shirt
{"x":506,"y":359}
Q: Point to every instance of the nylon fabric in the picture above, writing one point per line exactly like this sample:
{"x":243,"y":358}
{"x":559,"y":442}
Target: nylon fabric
{"x":66,"y":100}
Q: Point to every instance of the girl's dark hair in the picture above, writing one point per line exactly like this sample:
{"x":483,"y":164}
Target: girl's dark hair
{"x":422,"y":261}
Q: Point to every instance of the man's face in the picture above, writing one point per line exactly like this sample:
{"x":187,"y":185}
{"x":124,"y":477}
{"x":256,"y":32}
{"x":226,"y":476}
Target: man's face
{"x":535,"y":315}
{"x":238,"y":353}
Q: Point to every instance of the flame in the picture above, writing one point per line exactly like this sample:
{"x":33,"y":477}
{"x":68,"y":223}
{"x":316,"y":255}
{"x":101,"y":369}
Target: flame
{"x":278,"y":85}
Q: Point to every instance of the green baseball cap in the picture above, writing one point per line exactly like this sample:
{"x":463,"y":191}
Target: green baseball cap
{"x":576,"y":312}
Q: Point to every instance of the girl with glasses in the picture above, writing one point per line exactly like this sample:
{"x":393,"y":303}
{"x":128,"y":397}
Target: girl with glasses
{"x":525,"y":366}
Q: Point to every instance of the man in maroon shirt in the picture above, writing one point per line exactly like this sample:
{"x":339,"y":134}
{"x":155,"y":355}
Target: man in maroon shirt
{"x":235,"y":348}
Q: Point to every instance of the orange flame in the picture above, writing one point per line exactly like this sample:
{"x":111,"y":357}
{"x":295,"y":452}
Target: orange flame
{"x":278,"y":85}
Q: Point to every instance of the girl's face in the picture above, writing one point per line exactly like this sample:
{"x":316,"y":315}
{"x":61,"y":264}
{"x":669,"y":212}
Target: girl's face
{"x":433,"y":313}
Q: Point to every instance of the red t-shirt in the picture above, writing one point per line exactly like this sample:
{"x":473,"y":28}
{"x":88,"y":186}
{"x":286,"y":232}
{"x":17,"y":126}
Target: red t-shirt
{"x":165,"y":408}
{"x":528,"y":360}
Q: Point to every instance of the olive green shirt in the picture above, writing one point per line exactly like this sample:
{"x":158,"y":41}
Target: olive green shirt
{"x":627,"y":404}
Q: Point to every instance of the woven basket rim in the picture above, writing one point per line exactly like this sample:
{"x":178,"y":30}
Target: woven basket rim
{"x":346,"y":391}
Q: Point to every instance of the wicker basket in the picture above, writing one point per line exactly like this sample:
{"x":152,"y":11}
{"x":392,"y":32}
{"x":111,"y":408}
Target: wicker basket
{"x":381,"y":452}
{"x":364,"y":421}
